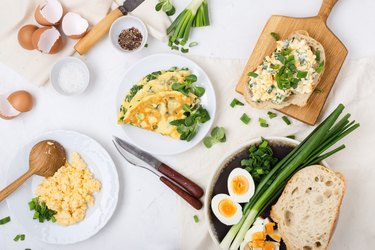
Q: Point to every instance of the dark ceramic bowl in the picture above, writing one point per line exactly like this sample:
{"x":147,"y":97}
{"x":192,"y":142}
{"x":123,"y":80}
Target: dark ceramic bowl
{"x":281,"y":146}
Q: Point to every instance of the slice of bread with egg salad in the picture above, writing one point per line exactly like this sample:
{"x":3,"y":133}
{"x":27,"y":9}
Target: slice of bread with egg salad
{"x":289,"y":75}
{"x":307,"y":210}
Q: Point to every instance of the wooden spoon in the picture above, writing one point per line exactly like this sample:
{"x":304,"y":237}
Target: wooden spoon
{"x":45,"y":158}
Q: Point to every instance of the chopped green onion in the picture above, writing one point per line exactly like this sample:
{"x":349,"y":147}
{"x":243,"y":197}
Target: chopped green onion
{"x":291,"y":137}
{"x":263,"y":123}
{"x":245,"y":118}
{"x":146,"y":45}
{"x":22,"y":237}
{"x":184,"y":50}
{"x":317,"y":55}
{"x":17,"y":238}
{"x":301,"y":74}
{"x":275,"y":36}
{"x":286,"y":120}
{"x":320,"y":68}
{"x":235,"y":102}
{"x":271,"y":115}
{"x":252,"y":74}
{"x":193,"y":44}
{"x":4,"y":220}
{"x":196,"y":219}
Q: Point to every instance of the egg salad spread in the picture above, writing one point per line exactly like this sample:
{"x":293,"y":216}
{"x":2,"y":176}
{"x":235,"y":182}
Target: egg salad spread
{"x":69,"y":191}
{"x":291,"y":69}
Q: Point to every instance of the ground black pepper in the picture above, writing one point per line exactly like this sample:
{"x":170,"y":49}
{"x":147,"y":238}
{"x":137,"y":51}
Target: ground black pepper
{"x":130,"y":39}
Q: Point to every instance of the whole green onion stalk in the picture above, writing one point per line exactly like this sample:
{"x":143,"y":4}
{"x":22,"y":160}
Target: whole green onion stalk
{"x":194,"y":15}
{"x":310,"y":151}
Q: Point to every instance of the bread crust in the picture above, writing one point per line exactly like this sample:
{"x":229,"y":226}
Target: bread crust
{"x":295,"y":99}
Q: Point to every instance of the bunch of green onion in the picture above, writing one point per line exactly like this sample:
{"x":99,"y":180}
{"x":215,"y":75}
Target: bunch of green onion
{"x":194,"y":15}
{"x":310,"y":151}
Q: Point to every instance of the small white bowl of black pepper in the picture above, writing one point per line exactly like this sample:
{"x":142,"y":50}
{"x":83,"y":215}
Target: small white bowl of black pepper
{"x":128,"y":34}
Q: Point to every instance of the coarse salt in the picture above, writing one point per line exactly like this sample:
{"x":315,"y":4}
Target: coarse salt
{"x":71,"y":78}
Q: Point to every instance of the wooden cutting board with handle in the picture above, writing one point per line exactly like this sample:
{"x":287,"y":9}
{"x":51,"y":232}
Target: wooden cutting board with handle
{"x":317,"y":28}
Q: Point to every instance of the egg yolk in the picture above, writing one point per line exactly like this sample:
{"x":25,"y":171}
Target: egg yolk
{"x":227,"y":208}
{"x":240,"y":185}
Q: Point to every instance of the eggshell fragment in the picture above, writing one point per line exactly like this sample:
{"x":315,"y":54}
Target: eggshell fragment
{"x":7,"y":111}
{"x":74,"y":25}
{"x":47,"y":40}
{"x":24,"y":36}
{"x":49,"y":13}
{"x":21,"y":100}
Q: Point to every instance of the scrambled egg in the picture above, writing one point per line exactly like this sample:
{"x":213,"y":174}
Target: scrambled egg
{"x":69,"y":190}
{"x":263,"y":84}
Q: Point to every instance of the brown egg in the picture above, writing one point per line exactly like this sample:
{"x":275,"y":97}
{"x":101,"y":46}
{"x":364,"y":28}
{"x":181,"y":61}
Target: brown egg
{"x":49,"y":43}
{"x":49,"y":13}
{"x":24,"y":36}
{"x":21,"y":100}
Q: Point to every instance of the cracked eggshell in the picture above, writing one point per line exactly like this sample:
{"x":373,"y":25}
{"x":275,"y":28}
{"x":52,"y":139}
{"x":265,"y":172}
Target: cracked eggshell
{"x":49,"y":13}
{"x":47,"y":40}
{"x":74,"y":25}
{"x":25,"y":35}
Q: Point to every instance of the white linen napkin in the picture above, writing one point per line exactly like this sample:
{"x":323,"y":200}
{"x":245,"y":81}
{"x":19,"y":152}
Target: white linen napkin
{"x":35,"y":66}
{"x":354,"y":88}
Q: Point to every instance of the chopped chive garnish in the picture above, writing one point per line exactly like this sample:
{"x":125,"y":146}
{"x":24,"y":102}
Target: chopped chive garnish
{"x":286,"y":120}
{"x":291,"y":137}
{"x":320,"y":68}
{"x":245,"y":118}
{"x":275,"y":36}
{"x":27,"y":248}
{"x":252,"y":74}
{"x":192,"y":44}
{"x":317,"y":55}
{"x":196,"y":219}
{"x":271,"y":115}
{"x":301,"y":74}
{"x":174,"y":47}
{"x":22,"y":237}
{"x":4,"y":220}
{"x":184,"y":50}
{"x":263,"y":123}
{"x":146,"y":45}
{"x":235,"y":102}
{"x":17,"y":238}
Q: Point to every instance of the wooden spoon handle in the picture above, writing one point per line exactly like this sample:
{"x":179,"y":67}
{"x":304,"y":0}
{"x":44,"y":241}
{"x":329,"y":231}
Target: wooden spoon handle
{"x":97,"y":32}
{"x":14,"y":185}
{"x":326,"y":8}
{"x":194,"y":202}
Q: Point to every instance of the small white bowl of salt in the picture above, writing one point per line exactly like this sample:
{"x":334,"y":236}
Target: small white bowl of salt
{"x":70,"y":76}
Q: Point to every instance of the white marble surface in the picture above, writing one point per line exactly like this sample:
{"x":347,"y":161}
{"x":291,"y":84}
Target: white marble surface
{"x":146,"y":216}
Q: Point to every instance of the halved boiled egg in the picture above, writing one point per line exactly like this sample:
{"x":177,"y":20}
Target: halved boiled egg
{"x":241,"y":185}
{"x":228,"y":211}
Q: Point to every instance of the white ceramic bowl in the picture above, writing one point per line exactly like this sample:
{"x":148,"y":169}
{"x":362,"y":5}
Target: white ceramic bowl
{"x":219,"y":171}
{"x":57,"y":68}
{"x":127,"y":22}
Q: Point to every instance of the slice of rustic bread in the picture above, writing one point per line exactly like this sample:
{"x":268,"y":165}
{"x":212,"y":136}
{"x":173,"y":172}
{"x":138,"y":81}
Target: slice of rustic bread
{"x":307,"y":210}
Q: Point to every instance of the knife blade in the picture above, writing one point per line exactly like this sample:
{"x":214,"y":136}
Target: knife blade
{"x":184,"y":182}
{"x":130,"y":5}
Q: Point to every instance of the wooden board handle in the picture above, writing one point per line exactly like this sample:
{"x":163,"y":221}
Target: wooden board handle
{"x":97,"y":32}
{"x":326,"y":8}
{"x":14,"y":185}
{"x":194,"y":202}
{"x":189,"y":185}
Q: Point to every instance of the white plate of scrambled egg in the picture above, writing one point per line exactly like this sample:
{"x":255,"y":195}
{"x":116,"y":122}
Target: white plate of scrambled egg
{"x":84,"y":192}
{"x":164,"y":70}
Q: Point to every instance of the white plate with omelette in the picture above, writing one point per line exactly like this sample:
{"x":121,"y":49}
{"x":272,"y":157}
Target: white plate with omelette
{"x":156,"y":94}
{"x":99,"y":163}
